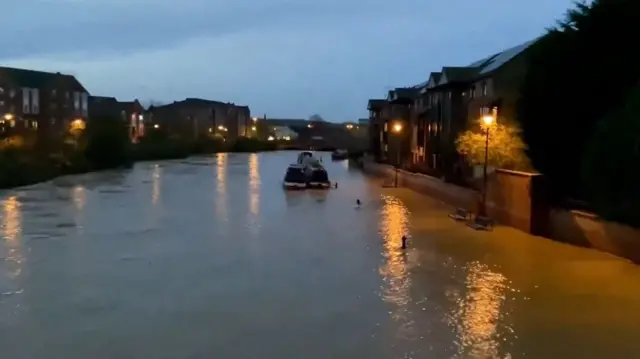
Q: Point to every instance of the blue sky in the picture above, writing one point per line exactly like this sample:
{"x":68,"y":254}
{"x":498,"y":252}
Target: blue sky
{"x":285,"y":58}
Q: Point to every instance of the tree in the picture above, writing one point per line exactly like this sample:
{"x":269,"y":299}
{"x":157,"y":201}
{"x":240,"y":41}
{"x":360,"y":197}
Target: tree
{"x":108,"y":143}
{"x":316,"y":118}
{"x":506,"y":148}
{"x":611,"y":167}
{"x":578,"y":72}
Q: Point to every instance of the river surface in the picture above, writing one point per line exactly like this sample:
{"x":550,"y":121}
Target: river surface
{"x":209,"y":258}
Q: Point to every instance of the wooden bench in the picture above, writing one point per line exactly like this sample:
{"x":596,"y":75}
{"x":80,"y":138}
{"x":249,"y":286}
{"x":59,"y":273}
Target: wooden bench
{"x":460,"y":214}
{"x":481,"y":223}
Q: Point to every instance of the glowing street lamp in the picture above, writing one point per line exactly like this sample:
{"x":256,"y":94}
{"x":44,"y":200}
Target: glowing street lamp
{"x":487,"y":120}
{"x":78,"y":125}
{"x":156,"y":126}
{"x":397,"y":129}
{"x":8,"y":116}
{"x":253,"y":128}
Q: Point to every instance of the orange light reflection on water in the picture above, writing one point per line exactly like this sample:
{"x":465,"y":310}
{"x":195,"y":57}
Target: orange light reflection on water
{"x":221,"y":185}
{"x":394,"y":223}
{"x":478,"y":312}
{"x":11,"y":230}
{"x":157,"y":185}
{"x":254,"y":184}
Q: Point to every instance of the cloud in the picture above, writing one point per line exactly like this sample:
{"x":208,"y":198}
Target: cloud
{"x":288,"y":58}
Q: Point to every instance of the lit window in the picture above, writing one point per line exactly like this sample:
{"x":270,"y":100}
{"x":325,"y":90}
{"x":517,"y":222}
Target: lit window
{"x":484,"y":89}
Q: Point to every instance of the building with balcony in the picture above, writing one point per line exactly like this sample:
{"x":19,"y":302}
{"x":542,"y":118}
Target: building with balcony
{"x":434,"y":113}
{"x":44,"y":103}
{"x":378,"y":121}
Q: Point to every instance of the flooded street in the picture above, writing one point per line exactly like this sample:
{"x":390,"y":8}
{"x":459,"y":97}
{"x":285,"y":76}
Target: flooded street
{"x":209,"y":258}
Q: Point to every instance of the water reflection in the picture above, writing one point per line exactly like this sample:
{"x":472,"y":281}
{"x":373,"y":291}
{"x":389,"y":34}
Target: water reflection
{"x":478,"y":312}
{"x":221,"y":185}
{"x":157,"y":184}
{"x":393,"y":225}
{"x":11,"y":230}
{"x":254,"y":184}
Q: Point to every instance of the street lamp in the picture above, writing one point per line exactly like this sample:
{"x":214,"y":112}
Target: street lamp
{"x":488,"y":120}
{"x":397,"y":129}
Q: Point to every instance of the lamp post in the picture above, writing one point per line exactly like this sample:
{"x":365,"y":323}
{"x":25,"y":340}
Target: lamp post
{"x":397,"y":129}
{"x":487,"y":120}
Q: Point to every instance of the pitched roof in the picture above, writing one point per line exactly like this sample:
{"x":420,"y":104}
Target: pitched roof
{"x":40,"y":79}
{"x":501,"y":58}
{"x":457,"y":74}
{"x":376,"y":103}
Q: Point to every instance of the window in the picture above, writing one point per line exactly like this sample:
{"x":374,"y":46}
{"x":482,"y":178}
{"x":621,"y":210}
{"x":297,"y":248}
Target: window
{"x":1,"y":103}
{"x":464,"y":94}
{"x":1,"y":90}
{"x":76,"y":100}
{"x":53,"y":93}
{"x":26,"y":108}
{"x":84,"y":103}
{"x":34,"y":124}
{"x":35,"y":101}
{"x":484,"y":89}
{"x":385,"y":127}
{"x":12,"y":93}
{"x":53,"y":120}
{"x":449,"y":94}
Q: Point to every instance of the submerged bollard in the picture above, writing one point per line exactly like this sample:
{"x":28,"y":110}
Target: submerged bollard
{"x":336,"y":185}
{"x":404,"y":242}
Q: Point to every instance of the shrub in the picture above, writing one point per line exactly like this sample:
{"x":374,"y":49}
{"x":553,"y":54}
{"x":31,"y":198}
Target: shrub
{"x":611,"y":167}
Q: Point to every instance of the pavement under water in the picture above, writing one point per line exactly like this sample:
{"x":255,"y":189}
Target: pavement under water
{"x":209,"y":257}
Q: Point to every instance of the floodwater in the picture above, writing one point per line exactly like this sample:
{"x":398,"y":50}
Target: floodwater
{"x":209,"y":258}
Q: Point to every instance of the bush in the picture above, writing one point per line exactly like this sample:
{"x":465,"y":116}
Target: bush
{"x":107,"y":143}
{"x":244,"y":144}
{"x":611,"y":168}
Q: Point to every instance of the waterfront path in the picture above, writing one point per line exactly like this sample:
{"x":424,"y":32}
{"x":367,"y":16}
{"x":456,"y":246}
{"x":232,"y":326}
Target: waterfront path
{"x":209,"y":258}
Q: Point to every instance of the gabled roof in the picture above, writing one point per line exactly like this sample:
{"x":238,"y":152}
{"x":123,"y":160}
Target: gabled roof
{"x":457,"y":75}
{"x":130,"y":106}
{"x":434,"y":79}
{"x":500,"y":59}
{"x":40,"y":79}
{"x":376,"y":104}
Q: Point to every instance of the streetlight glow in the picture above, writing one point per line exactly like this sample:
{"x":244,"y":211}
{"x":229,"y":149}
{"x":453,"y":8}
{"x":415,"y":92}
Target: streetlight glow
{"x":397,"y":128}
{"x":156,"y":126}
{"x":488,"y":120}
{"x":253,"y":128}
{"x":8,"y":116}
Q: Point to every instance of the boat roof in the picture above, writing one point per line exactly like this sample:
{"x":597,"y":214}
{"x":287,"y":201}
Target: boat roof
{"x":296,"y":165}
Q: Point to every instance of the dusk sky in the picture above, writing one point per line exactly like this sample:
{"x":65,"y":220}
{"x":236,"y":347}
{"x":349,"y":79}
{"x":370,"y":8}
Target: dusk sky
{"x":285,"y":58}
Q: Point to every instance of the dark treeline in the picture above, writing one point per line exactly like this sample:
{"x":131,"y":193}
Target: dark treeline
{"x":104,"y":144}
{"x":579,"y":108}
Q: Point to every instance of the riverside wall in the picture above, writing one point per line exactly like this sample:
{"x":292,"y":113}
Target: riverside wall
{"x":516,"y":199}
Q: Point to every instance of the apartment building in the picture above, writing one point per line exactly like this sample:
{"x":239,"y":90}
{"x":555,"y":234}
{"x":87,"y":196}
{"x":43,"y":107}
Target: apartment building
{"x":44,"y":103}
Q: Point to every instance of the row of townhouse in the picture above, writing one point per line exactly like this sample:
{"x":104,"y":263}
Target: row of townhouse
{"x":428,"y":117}
{"x":54,"y":103}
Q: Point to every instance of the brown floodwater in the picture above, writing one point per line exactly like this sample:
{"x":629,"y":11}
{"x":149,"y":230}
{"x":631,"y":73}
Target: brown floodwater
{"x":209,"y":258}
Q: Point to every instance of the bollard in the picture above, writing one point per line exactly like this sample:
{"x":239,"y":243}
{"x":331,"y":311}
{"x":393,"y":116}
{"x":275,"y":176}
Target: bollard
{"x":404,"y":242}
